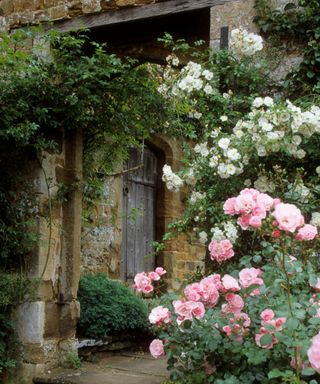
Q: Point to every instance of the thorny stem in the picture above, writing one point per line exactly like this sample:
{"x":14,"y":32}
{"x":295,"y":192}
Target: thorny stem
{"x":288,"y":291}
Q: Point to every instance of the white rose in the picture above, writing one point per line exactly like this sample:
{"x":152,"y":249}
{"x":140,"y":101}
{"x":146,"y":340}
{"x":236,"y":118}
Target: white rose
{"x":224,"y":143}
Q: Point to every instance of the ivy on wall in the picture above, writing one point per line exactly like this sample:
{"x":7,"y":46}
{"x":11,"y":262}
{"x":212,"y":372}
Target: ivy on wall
{"x":75,"y":85}
{"x":297,"y":25}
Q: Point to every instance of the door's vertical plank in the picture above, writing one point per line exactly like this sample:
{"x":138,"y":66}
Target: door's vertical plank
{"x":131,"y":230}
{"x":139,"y":211}
{"x":123,"y":259}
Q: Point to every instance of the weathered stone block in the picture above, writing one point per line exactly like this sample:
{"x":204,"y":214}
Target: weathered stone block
{"x":125,"y":3}
{"x":7,"y":6}
{"x":57,"y":13}
{"x":52,"y":3}
{"x":26,"y":5}
{"x":30,"y":322}
{"x":108,"y":4}
{"x":91,"y":6}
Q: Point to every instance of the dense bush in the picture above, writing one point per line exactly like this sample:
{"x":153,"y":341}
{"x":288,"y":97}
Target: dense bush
{"x":108,"y":307}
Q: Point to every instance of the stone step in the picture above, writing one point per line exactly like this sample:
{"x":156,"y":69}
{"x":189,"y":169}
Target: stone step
{"x":119,"y":369}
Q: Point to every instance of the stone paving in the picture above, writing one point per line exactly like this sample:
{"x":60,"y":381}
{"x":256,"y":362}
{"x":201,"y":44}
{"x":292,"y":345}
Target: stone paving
{"x":124,"y":368}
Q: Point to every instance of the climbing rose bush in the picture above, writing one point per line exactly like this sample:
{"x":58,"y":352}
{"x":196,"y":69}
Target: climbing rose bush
{"x":255,"y":323}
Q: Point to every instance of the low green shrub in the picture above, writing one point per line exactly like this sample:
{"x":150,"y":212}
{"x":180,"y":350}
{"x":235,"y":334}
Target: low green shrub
{"x":108,"y":307}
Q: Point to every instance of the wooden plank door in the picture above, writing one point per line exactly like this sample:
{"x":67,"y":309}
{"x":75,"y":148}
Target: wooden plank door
{"x":139,"y":194}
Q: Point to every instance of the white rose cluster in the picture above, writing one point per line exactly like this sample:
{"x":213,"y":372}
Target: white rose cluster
{"x":203,"y":237}
{"x":194,"y":78}
{"x":229,"y":231}
{"x":196,"y":196}
{"x":298,"y":188}
{"x":315,"y":219}
{"x":273,"y":128}
{"x":263,"y":184}
{"x":173,"y":181}
{"x":243,"y":43}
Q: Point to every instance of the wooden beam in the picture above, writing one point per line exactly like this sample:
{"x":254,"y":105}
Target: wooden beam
{"x":133,"y":14}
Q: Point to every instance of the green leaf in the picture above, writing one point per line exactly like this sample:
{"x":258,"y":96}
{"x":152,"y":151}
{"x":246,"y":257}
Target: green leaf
{"x":266,"y":339}
{"x":308,"y":372}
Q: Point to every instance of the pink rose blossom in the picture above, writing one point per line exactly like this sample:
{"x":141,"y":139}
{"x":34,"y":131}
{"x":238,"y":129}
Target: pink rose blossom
{"x":228,"y":206}
{"x":255,"y":222}
{"x":193,"y":292}
{"x":160,"y":315}
{"x":154,"y":276}
{"x":221,"y":251}
{"x":267,"y":315}
{"x":314,"y":353}
{"x":307,"y":232}
{"x":230,"y":284}
{"x":250,"y":276}
{"x":142,"y":283}
{"x":234,"y":304}
{"x":156,"y":348}
{"x":244,"y":203}
{"x":187,"y":309}
{"x":214,"y":279}
{"x":244,"y":221}
{"x":265,"y":202}
{"x":276,"y":201}
{"x":147,"y":288}
{"x":160,"y":271}
{"x":288,"y":216}
{"x":198,"y":310}
{"x":206,"y":291}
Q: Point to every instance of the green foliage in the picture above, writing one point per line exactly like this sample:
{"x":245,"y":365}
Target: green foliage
{"x":295,"y":26}
{"x":74,"y":86}
{"x":8,"y":342}
{"x":73,"y":361}
{"x":108,"y":307}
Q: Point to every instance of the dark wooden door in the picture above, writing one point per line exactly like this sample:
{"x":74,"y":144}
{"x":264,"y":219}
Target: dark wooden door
{"x":139,"y":193}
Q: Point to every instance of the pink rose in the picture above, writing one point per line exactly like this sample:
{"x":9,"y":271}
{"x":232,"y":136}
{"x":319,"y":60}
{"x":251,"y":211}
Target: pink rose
{"x":267,"y":315}
{"x":307,"y":232}
{"x":198,"y":310}
{"x":147,"y":288}
{"x":160,"y":271}
{"x":193,"y":292}
{"x":160,"y":315}
{"x":228,"y":206}
{"x":255,"y":222}
{"x":314,"y":353}
{"x":156,"y":348}
{"x":288,"y":216}
{"x":230,"y":284}
{"x":317,"y":286}
{"x":142,"y":283}
{"x":244,"y":203}
{"x":276,"y":201}
{"x":234,"y":304}
{"x":154,"y":276}
{"x":265,"y":202}
{"x":244,"y":221}
{"x":221,"y":251}
{"x":250,"y":276}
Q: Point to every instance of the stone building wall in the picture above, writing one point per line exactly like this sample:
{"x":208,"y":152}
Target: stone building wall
{"x":20,"y":12}
{"x":101,"y":239}
{"x":46,"y":325}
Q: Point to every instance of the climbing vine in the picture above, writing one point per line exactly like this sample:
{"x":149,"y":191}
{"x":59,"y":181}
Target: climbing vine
{"x":298,"y":26}
{"x":74,"y":85}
